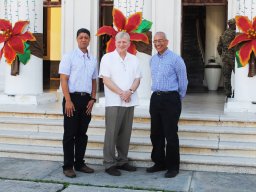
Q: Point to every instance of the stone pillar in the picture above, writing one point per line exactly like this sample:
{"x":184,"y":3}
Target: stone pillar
{"x":30,"y":79}
{"x":78,"y":14}
{"x":166,"y":17}
{"x":245,"y":93}
{"x":128,"y":8}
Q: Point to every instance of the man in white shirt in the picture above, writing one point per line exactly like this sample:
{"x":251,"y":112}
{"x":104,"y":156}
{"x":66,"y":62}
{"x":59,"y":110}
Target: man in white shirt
{"x":121,"y":77}
{"x":78,"y":73}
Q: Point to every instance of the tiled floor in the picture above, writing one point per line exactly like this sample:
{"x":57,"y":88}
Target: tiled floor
{"x":210,"y":103}
{"x":209,"y":106}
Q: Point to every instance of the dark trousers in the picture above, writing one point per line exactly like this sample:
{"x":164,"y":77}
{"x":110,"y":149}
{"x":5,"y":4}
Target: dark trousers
{"x":75,"y":128}
{"x":165,"y":109}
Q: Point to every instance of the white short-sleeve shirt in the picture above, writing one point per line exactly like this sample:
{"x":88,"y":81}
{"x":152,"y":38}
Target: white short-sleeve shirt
{"x":81,"y":69}
{"x":122,"y":73}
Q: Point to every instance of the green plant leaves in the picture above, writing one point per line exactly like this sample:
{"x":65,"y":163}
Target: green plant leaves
{"x":144,"y":26}
{"x":24,"y":58}
{"x":238,"y":60}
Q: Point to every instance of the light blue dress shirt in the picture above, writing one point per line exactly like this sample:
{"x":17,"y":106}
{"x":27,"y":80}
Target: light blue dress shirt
{"x":169,"y":73}
{"x":81,"y":69}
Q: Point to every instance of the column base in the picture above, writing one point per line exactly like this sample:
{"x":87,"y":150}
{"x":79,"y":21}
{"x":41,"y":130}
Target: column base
{"x":43,"y":98}
{"x":233,"y":105}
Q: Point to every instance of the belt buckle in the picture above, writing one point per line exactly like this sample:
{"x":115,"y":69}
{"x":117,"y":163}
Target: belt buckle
{"x":158,"y":93}
{"x":83,"y":93}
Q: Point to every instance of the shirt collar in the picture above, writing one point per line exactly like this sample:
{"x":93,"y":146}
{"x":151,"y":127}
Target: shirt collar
{"x":81,"y":53}
{"x":119,"y":57}
{"x":167,"y":51}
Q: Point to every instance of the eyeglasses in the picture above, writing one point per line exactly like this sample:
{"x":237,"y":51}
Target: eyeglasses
{"x":159,"y":41}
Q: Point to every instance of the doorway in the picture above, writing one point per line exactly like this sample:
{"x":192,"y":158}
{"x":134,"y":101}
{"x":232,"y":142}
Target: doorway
{"x":196,"y":34}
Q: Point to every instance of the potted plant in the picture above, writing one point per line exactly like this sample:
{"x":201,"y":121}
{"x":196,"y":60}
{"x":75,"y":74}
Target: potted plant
{"x":212,"y":74}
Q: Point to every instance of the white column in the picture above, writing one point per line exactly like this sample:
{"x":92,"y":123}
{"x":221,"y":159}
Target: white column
{"x":78,"y":14}
{"x":30,"y":79}
{"x":245,"y":93}
{"x":166,"y":17}
{"x":27,"y":87}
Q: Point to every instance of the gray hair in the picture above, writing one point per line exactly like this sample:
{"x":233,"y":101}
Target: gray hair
{"x":161,"y":33}
{"x":121,"y":35}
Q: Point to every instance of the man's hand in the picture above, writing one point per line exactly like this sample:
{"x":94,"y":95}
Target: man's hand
{"x":126,"y":96}
{"x":69,"y":108}
{"x":89,"y":107}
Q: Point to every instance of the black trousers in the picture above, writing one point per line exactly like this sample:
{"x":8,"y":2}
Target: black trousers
{"x":165,"y":109}
{"x":75,"y":128}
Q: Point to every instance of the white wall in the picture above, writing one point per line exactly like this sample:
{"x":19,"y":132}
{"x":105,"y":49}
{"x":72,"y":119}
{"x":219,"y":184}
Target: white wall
{"x":215,"y":25}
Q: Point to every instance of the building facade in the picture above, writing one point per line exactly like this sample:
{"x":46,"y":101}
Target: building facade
{"x":193,"y":28}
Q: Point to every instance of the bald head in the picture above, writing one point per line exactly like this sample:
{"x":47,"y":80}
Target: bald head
{"x":161,"y":34}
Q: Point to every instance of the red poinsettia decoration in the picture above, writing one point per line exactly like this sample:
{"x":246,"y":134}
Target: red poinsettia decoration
{"x":13,"y":39}
{"x":247,"y":39}
{"x":122,"y":23}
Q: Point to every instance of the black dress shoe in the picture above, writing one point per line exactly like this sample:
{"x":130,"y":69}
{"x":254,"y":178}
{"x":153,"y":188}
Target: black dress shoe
{"x":113,"y":171}
{"x":171,"y":173}
{"x":155,"y":168}
{"x":127,"y":167}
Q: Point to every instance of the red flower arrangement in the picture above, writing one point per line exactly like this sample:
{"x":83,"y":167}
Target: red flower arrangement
{"x":14,"y":40}
{"x":247,"y":43}
{"x":133,"y":25}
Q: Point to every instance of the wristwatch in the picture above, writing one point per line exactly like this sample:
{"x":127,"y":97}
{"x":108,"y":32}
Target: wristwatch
{"x":131,"y":91}
{"x":93,"y":99}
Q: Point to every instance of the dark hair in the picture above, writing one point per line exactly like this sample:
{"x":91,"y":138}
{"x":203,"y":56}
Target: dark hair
{"x":83,"y":30}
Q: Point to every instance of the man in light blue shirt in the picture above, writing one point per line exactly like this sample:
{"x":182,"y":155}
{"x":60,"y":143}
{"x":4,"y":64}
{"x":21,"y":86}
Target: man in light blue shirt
{"x":78,"y":73}
{"x":169,"y":86}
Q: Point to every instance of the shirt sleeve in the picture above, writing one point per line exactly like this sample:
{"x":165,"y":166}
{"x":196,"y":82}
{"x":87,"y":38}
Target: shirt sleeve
{"x":95,"y":73}
{"x":138,"y":69}
{"x":65,"y":65}
{"x":104,"y":69}
{"x":181,"y":71}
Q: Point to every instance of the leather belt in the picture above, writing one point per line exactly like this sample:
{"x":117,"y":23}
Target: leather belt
{"x":81,"y":93}
{"x":165,"y":92}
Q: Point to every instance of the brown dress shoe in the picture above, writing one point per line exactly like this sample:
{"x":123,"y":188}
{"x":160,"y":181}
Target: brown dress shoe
{"x":85,"y":169}
{"x":69,"y":173}
{"x":127,"y":167}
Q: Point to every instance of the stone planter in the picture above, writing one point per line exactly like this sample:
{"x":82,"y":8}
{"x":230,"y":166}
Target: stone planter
{"x":212,"y":76}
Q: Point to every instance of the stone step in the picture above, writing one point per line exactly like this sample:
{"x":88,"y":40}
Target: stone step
{"x":188,"y":146}
{"x":23,"y":122}
{"x":141,"y":159}
{"x":223,"y":133}
{"x":141,"y":115}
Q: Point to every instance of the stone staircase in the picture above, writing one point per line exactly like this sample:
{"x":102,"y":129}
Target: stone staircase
{"x":206,"y":143}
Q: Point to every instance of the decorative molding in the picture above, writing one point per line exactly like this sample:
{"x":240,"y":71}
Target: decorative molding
{"x":204,"y":2}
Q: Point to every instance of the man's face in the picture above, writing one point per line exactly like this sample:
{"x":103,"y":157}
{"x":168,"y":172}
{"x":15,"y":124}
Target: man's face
{"x":83,"y":40}
{"x":122,"y":45}
{"x":160,"y":43}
